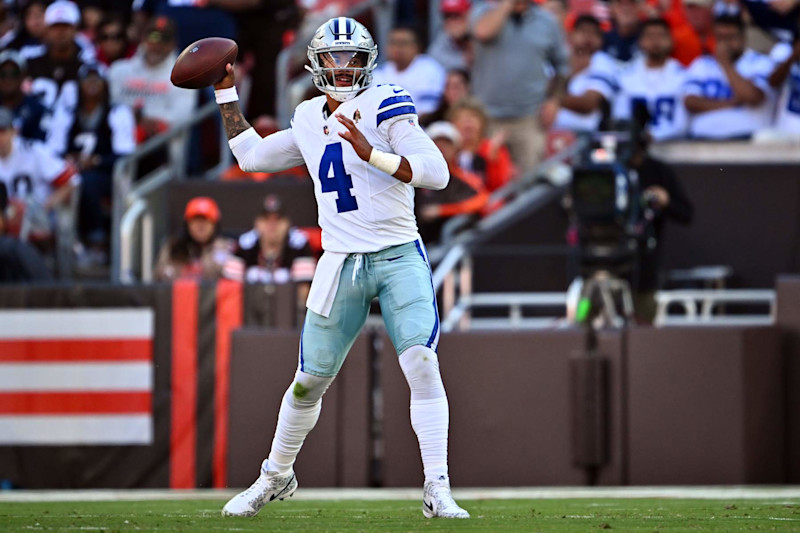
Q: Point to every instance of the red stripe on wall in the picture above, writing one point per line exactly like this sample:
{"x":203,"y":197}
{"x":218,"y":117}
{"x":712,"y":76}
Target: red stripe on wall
{"x":229,"y":317}
{"x":84,"y":403}
{"x":183,"y":438}
{"x":83,"y":350}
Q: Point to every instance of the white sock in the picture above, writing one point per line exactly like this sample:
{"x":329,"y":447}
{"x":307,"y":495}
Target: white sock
{"x":298,"y":415}
{"x":430,"y":416}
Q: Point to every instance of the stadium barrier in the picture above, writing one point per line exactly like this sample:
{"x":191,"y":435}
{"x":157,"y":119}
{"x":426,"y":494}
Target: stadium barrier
{"x":666,"y":405}
{"x":93,"y":396}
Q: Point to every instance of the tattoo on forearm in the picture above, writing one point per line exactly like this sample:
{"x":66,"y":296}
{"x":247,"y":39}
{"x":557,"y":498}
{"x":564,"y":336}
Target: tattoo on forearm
{"x":233,"y":119}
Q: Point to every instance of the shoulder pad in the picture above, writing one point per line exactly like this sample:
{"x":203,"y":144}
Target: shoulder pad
{"x":393,"y":101}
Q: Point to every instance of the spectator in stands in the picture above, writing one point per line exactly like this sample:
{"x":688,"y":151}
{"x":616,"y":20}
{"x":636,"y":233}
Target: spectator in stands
{"x":657,"y":80}
{"x":464,"y":195}
{"x":452,"y":47}
{"x":30,"y":28}
{"x":29,"y":113}
{"x":727,"y":94}
{"x":143,"y":82}
{"x":54,"y":72}
{"x":479,"y":154}
{"x":519,"y":73}
{"x":559,"y":10}
{"x":19,"y":262}
{"x":456,"y":88}
{"x":694,"y":37}
{"x":193,"y":19}
{"x":112,"y":41}
{"x":97,"y":134}
{"x":780,"y":18}
{"x":592,"y":83}
{"x":33,"y":176}
{"x":199,"y":251}
{"x":276,"y":252}
{"x":621,"y":40}
{"x":417,"y":73}
{"x":785,"y":78}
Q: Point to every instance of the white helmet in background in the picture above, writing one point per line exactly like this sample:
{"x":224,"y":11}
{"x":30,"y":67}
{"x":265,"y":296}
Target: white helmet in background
{"x":342,"y":44}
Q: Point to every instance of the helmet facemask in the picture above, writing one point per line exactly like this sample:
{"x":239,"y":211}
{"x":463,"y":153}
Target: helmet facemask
{"x":342,"y":63}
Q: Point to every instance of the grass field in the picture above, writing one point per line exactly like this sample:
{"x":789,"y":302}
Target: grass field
{"x":557,"y":515}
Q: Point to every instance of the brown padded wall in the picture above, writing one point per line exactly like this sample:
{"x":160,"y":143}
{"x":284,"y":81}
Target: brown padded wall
{"x":705,"y":406}
{"x":509,"y":410}
{"x":336,"y":453}
{"x":788,"y":290}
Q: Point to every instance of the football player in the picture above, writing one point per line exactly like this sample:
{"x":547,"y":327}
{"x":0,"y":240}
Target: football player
{"x":365,"y":152}
{"x":727,"y":94}
{"x":655,"y":79}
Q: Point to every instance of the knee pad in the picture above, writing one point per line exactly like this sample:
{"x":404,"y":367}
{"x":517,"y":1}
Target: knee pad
{"x":420,"y":365}
{"x":306,"y":389}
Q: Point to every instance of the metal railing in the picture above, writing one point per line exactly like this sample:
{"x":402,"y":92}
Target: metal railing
{"x":137,"y":225}
{"x":705,"y":307}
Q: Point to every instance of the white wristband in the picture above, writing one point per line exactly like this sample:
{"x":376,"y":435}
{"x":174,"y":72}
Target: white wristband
{"x":388,"y":163}
{"x":226,"y":96}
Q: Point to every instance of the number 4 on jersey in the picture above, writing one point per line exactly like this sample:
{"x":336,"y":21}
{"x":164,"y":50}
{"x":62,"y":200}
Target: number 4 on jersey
{"x":341,"y":182}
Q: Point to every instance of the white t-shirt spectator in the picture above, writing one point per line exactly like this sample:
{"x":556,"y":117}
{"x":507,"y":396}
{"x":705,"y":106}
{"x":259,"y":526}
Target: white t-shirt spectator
{"x":787,"y":117}
{"x":705,"y":78}
{"x":661,"y":89}
{"x":424,"y":79}
{"x":136,"y":84}
{"x":31,"y":171}
{"x":600,"y":76}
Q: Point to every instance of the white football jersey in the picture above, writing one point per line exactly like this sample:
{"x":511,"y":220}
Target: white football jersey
{"x":788,"y":114}
{"x":659,"y":88}
{"x":600,"y":76}
{"x":31,"y":170}
{"x":361,"y":209}
{"x":705,"y":78}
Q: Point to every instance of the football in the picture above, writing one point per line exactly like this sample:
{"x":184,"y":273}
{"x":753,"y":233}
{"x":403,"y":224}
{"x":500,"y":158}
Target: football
{"x":202,"y":63}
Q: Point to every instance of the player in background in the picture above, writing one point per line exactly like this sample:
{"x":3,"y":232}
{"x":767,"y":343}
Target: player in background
{"x":727,"y":94}
{"x":655,"y":79}
{"x":366,"y":152}
{"x":786,"y":78}
{"x":592,"y":83}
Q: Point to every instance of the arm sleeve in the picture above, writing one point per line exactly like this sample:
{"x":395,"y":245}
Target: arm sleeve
{"x":428,"y":167}
{"x":272,"y":153}
{"x":559,"y":51}
{"x":603,"y":76}
{"x":693,"y":84}
{"x":54,"y":170}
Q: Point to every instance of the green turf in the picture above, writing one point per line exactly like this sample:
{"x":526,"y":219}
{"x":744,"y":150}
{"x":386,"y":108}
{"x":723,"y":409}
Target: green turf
{"x":645,"y":515}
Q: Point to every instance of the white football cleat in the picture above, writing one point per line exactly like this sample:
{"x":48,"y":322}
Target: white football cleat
{"x":268,"y":487}
{"x":438,"y":502}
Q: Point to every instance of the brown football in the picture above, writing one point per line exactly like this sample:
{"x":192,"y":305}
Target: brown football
{"x":202,"y":63}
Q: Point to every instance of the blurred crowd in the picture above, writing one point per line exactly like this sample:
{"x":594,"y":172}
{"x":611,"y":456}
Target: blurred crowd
{"x":82,"y":83}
